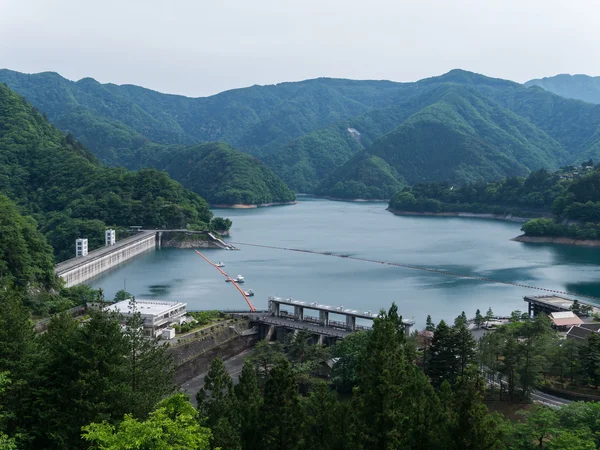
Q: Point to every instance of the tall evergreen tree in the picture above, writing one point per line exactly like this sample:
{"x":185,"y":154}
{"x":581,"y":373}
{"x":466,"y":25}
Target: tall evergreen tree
{"x":472,"y":425}
{"x":282,"y":416}
{"x":464,"y":346}
{"x":429,"y":325}
{"x":590,"y":358}
{"x":216,"y":403}
{"x":247,"y":406}
{"x":382,"y":380}
{"x":478,"y":318}
{"x":151,"y":368}
{"x":442,"y":362}
{"x":321,"y":416}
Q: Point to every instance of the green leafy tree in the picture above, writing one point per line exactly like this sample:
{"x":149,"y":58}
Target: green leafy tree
{"x":265,"y":356}
{"x":464,"y":346}
{"x":122,"y":295}
{"x":321,"y":407}
{"x":173,"y":425}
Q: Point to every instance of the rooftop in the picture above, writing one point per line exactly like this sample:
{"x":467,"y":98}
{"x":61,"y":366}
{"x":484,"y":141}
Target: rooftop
{"x":147,"y":307}
{"x":565,"y":318}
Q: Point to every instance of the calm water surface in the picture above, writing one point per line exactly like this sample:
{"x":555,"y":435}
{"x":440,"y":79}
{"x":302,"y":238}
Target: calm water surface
{"x":472,"y":246}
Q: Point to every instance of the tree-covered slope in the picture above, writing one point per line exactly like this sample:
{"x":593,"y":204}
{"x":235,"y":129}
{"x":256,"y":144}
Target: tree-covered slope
{"x":25,"y":257}
{"x":458,"y":134}
{"x":460,"y":125}
{"x":580,"y":87}
{"x":107,"y":117}
{"x":55,"y":179}
{"x":365,"y":176}
{"x":222,"y":175}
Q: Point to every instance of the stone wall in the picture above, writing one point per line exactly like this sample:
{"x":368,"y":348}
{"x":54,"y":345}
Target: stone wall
{"x":193,"y":358}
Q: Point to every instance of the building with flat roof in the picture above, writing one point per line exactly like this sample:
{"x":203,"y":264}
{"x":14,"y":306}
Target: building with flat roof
{"x":81,"y":247}
{"x":157,"y":314}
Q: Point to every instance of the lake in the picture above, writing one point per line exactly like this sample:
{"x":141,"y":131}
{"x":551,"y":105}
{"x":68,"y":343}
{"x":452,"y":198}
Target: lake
{"x":471,"y":246}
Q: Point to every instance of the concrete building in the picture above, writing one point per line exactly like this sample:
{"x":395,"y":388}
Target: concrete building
{"x":157,"y":314}
{"x":81,"y":247}
{"x":110,"y":238}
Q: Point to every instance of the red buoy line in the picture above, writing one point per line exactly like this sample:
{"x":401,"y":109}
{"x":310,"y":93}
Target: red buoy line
{"x":252,"y":308}
{"x":424,"y":269}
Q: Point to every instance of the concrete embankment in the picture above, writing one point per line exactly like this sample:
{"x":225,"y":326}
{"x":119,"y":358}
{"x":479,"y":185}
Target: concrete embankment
{"x":190,"y":240}
{"x":78,"y":270}
{"x":194,"y":356}
{"x":557,"y":240}
{"x":506,"y":217}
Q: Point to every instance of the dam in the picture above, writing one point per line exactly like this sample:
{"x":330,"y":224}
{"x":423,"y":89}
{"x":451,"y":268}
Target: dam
{"x":80,"y":269}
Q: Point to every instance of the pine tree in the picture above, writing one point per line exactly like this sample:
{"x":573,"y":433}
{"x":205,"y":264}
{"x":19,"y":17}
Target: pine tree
{"x":151,"y":368}
{"x":247,"y":406}
{"x":216,"y":403}
{"x":461,"y":320}
{"x":442,"y":362}
{"x":464,"y":345}
{"x":320,"y":427}
{"x":489,"y":315}
{"x":382,"y":380}
{"x":429,"y":325}
{"x":478,"y":318}
{"x":473,"y":427}
{"x":590,"y":358}
{"x":281,"y":415}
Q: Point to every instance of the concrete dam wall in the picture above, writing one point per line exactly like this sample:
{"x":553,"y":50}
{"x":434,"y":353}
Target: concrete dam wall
{"x":78,"y":270}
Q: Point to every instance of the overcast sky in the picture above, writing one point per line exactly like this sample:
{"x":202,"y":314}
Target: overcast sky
{"x":200,"y":47}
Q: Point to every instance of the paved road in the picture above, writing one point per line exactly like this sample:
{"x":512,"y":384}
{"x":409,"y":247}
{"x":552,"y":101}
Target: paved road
{"x":233,"y":365}
{"x":549,"y":400}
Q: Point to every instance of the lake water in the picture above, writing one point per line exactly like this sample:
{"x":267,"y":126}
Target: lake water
{"x":471,"y":246}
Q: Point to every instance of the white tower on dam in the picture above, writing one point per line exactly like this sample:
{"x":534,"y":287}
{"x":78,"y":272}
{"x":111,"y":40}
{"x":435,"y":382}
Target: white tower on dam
{"x":81,"y":247}
{"x":109,"y":238}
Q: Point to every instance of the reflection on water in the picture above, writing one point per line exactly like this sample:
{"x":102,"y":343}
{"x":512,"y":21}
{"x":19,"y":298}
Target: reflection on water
{"x":474,"y":247}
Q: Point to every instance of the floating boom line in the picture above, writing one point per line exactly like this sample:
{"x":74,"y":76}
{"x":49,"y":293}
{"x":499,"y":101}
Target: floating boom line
{"x":252,"y":308}
{"x":424,"y":269}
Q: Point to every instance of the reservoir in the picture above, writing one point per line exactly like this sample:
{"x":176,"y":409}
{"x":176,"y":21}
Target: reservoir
{"x":479,"y":247}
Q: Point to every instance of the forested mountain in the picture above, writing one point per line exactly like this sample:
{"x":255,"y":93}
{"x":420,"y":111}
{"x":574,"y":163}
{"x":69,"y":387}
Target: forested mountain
{"x":57,"y":181}
{"x":222,"y":175}
{"x":580,"y":87}
{"x":459,"y":127}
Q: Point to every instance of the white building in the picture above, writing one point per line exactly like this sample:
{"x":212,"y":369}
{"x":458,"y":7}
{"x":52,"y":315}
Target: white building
{"x":157,"y":314}
{"x":109,"y":238}
{"x":81,"y":247}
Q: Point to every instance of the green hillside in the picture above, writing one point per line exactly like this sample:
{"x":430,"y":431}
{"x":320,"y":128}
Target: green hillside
{"x":459,"y":126}
{"x":222,"y":175}
{"x":57,"y":181}
{"x":462,"y":136}
{"x":579,"y":87}
{"x":363,"y":177}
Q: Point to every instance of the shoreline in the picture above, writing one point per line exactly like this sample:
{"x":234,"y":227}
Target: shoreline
{"x":352,"y":200}
{"x":246,"y":206}
{"x":557,"y":240}
{"x":507,"y":218}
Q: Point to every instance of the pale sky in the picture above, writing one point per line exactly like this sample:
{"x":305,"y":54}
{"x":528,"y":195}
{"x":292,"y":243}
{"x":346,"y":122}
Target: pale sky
{"x":200,"y":47}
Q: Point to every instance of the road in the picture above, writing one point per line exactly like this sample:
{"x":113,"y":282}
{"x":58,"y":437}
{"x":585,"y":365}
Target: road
{"x":549,"y":400}
{"x":233,"y":365}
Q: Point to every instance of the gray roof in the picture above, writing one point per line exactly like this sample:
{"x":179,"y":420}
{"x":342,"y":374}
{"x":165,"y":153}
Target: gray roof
{"x":591,"y":326}
{"x":579,"y":333}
